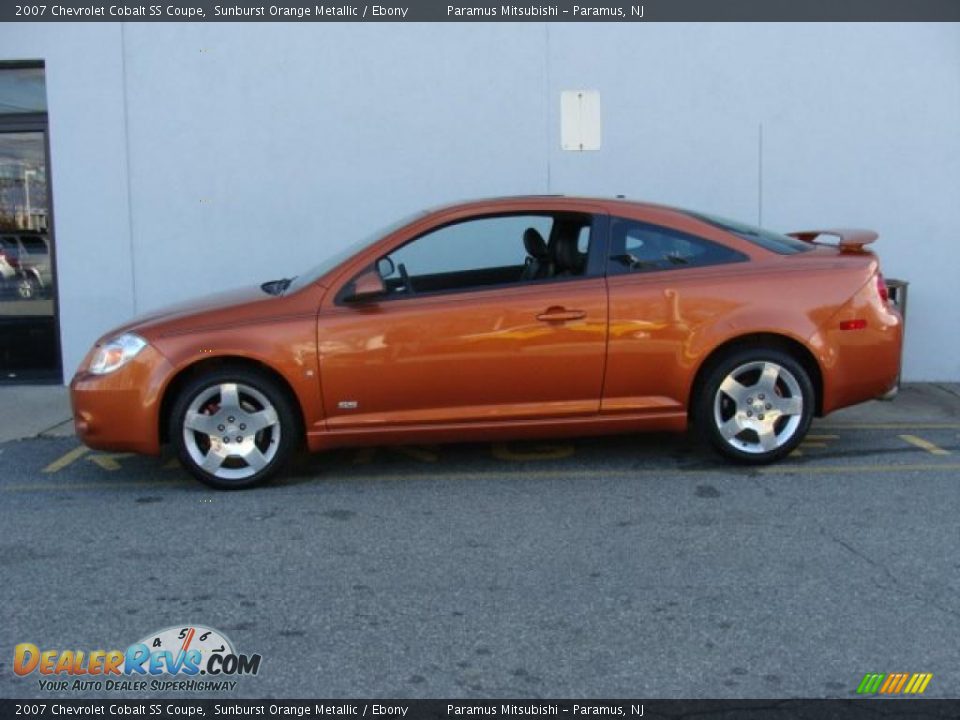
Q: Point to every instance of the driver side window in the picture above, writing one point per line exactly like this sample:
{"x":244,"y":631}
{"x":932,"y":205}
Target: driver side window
{"x":491,"y":251}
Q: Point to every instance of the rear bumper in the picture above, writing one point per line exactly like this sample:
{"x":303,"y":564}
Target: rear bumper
{"x":891,"y":393}
{"x":120,"y":411}
{"x":862,"y":364}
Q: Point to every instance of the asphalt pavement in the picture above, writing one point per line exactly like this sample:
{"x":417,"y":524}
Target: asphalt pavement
{"x":633,"y":566}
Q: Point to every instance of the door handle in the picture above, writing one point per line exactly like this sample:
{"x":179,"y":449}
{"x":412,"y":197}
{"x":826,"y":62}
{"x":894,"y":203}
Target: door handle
{"x":559,"y":314}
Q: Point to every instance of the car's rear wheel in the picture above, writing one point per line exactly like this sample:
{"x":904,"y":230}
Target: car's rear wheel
{"x":233,"y":428}
{"x":755,"y":405}
{"x":28,"y":288}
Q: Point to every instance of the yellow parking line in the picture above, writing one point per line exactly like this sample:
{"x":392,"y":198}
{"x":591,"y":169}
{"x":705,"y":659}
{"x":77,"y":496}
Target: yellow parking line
{"x":925,"y":445}
{"x":66,"y":459}
{"x":890,"y":426}
{"x":822,"y":437}
{"x":855,"y":469}
{"x":108,"y":461}
{"x":503,"y":451}
{"x":786,"y":469}
{"x":105,"y":485}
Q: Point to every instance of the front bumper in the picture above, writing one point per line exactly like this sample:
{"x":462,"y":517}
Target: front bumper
{"x":121,"y":411}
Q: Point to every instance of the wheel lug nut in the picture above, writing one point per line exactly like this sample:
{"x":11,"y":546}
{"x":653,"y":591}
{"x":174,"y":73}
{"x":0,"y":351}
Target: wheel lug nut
{"x":749,"y":400}
{"x":768,"y":406}
{"x":759,"y":417}
{"x":230,"y":419}
{"x":760,"y":396}
{"x":749,"y":413}
{"x":242,"y":426}
{"x":221,"y":428}
{"x":239,"y":439}
{"x":226,"y":439}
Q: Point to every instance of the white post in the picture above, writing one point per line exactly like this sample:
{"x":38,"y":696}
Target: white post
{"x":26,"y":189}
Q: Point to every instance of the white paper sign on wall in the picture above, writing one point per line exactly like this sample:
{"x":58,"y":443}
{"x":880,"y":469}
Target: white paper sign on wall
{"x":580,"y":120}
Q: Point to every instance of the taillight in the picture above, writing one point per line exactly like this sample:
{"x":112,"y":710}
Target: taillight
{"x":882,"y":289}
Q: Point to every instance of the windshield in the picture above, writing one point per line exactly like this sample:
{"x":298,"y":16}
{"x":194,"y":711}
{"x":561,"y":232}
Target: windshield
{"x":318,"y":271}
{"x":767,"y":239}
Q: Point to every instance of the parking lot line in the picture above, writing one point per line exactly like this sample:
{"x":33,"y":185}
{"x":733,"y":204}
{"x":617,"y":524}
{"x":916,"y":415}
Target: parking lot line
{"x":96,"y":485}
{"x":889,"y":426}
{"x":108,"y":461}
{"x":925,"y":445}
{"x":856,"y":469}
{"x":67,"y":458}
{"x":786,"y":469}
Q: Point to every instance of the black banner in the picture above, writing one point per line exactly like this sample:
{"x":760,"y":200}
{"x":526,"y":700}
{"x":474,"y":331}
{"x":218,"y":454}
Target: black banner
{"x":434,"y":709}
{"x":484,"y":11}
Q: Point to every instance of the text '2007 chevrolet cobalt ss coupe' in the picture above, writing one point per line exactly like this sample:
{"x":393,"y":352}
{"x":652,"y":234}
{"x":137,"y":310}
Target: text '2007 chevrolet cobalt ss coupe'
{"x":509,"y":318}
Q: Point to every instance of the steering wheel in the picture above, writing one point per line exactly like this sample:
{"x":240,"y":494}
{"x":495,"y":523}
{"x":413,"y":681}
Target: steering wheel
{"x":407,"y":285}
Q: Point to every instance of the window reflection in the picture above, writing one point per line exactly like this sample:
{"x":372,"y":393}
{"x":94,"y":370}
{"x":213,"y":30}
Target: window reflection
{"x":25,"y":268}
{"x":22,"y":90}
{"x":28,"y":328}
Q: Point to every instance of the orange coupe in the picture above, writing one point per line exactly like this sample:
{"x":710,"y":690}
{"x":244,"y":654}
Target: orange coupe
{"x":509,"y":318}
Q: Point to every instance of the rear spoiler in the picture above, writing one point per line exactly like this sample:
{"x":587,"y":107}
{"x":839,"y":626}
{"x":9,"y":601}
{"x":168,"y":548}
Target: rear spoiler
{"x":850,"y":238}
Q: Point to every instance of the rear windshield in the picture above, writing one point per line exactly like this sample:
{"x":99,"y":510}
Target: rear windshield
{"x":34,"y":245}
{"x":767,"y":239}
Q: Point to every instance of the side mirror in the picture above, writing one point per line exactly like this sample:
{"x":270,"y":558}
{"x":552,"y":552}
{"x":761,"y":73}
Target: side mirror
{"x":367,"y":286}
{"x":385,"y":267}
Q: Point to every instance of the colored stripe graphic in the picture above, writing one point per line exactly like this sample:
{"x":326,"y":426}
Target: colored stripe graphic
{"x":889,"y":683}
{"x":894,"y":683}
{"x":870,"y":683}
{"x":919,"y":681}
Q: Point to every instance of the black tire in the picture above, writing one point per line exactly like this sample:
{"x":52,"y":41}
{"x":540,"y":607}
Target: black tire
{"x":255,"y":392}
{"x":28,"y":288}
{"x":714,"y":410}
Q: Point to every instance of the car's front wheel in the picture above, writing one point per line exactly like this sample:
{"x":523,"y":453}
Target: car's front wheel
{"x":233,"y":428}
{"x":755,"y":405}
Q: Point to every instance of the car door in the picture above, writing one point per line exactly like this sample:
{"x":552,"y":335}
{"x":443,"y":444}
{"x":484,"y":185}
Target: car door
{"x":35,"y":257}
{"x":9,"y":257}
{"x":473,"y":327}
{"x":665,"y":285}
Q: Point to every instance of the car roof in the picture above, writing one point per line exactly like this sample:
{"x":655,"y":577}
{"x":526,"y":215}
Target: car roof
{"x":553,"y":200}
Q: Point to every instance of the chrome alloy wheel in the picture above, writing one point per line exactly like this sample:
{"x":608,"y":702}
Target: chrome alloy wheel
{"x":758,"y":407}
{"x":231,"y":431}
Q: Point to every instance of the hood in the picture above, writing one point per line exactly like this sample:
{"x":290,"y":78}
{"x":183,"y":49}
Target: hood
{"x":220,"y":309}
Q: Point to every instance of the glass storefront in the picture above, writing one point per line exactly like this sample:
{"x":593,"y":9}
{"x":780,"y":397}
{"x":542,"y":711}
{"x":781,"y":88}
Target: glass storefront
{"x":29,"y":349}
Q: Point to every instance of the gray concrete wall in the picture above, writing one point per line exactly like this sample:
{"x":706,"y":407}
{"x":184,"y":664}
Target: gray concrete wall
{"x":191,"y":158}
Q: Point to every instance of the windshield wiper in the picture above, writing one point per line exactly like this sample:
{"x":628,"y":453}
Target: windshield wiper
{"x":276,"y":287}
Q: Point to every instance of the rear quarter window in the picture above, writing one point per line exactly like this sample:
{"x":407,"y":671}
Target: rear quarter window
{"x":767,"y":239}
{"x":641,"y":247}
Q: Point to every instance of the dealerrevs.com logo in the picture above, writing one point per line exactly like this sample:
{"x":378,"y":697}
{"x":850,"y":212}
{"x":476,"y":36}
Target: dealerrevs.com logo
{"x":179,"y":658}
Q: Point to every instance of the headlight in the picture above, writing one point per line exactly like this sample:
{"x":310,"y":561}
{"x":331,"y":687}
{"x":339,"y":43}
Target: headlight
{"x":115,"y":354}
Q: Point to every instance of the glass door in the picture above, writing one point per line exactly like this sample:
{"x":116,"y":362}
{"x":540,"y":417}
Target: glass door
{"x":29,"y":346}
